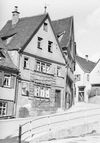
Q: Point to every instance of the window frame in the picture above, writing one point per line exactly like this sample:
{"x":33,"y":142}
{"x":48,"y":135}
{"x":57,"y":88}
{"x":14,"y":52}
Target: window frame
{"x":40,"y":92}
{"x":42,"y":66}
{"x":45,"y":26}
{"x":26,"y":92}
{"x":26,"y":63}
{"x":39,"y":43}
{"x":77,"y":77}
{"x":50,"y":46}
{"x":1,"y":114}
{"x":7,"y":80}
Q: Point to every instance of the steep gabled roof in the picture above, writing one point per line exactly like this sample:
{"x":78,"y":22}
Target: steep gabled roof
{"x":5,"y":60}
{"x":63,"y":26}
{"x":86,"y":65}
{"x":23,"y":31}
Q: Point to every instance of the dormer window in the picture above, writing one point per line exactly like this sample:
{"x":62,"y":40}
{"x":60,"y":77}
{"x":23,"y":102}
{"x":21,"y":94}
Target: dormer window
{"x":50,"y":46}
{"x":45,"y":26}
{"x":39,"y":44}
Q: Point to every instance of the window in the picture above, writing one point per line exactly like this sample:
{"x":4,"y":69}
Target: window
{"x":25,"y":88}
{"x":7,"y":81}
{"x":87,"y":77}
{"x":58,"y":71}
{"x":3,"y":108}
{"x":39,"y":44}
{"x":81,"y":93}
{"x":26,"y":63}
{"x":42,"y":67}
{"x":77,"y":77}
{"x":45,"y":27}
{"x":42,"y":92}
{"x":50,"y":46}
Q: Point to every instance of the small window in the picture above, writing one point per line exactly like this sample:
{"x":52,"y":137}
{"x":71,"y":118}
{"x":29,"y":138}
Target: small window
{"x":25,"y":88}
{"x":7,"y":81}
{"x":26,"y":63}
{"x":45,"y":27}
{"x":77,"y":77}
{"x":58,"y":71}
{"x":39,"y":43}
{"x":87,"y":77}
{"x":50,"y":46}
{"x":3,"y":108}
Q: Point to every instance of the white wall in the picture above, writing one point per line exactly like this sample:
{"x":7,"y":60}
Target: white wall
{"x":47,"y":36}
{"x":95,"y":74}
{"x":83,"y":82}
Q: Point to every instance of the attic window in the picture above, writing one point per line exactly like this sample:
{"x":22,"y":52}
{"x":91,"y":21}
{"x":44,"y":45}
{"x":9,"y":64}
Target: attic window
{"x":50,"y":46}
{"x":39,"y":43}
{"x":45,"y":27}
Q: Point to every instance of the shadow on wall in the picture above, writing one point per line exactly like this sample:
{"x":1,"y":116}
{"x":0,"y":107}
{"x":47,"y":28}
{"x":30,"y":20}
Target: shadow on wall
{"x":11,"y":140}
{"x":23,"y":112}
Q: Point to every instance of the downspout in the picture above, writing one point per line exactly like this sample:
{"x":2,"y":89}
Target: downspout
{"x":17,"y":84}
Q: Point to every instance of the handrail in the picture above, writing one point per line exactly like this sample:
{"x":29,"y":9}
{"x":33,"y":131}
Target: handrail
{"x":48,"y":123}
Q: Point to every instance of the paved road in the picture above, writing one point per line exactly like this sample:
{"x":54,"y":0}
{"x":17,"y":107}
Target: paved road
{"x":86,"y":139}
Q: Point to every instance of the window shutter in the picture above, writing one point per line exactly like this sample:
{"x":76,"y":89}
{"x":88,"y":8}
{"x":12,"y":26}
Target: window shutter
{"x":12,"y":81}
{"x":1,"y":78}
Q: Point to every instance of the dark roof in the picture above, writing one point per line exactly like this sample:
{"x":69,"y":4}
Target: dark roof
{"x":26,"y":28}
{"x":86,"y":65}
{"x":63,"y":26}
{"x":5,"y":60}
{"x":23,"y":31}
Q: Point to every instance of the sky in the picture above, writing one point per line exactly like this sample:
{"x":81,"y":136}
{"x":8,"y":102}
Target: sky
{"x":86,"y":19}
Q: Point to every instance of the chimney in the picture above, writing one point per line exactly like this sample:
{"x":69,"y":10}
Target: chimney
{"x":15,"y":16}
{"x":86,"y":57}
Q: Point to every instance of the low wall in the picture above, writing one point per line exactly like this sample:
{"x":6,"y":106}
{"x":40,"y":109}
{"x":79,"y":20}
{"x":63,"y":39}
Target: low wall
{"x":80,"y":119}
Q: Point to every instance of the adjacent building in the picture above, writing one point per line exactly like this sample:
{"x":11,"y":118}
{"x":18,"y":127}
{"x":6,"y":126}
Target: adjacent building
{"x":8,"y":82}
{"x":64,"y":29}
{"x":44,"y":52}
{"x":82,"y":78}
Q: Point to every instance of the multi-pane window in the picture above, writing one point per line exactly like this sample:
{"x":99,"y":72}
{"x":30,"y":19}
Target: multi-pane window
{"x":3,"y":108}
{"x":77,"y":77}
{"x":25,"y":89}
{"x":42,"y":92}
{"x":26,"y":63}
{"x":7,"y":81}
{"x":50,"y":46}
{"x":45,"y":26}
{"x":58,"y":71}
{"x":39,"y":43}
{"x":81,"y":93}
{"x":43,"y":67}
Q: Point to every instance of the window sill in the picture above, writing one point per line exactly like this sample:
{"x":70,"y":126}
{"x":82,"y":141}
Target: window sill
{"x":39,"y":48}
{"x":50,"y":51}
{"x":42,"y":98}
{"x":6,"y":87}
{"x":25,"y":68}
{"x":44,"y":73}
{"x":60,"y":77}
{"x":25,"y":95}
